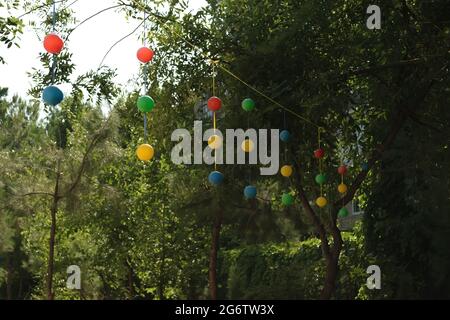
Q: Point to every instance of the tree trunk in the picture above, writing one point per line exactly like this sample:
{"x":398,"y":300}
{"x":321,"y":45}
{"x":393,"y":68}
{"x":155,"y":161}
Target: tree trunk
{"x":9,"y":276}
{"x":51,"y":251}
{"x":332,"y":269}
{"x":213,"y":255}
{"x":130,"y":282}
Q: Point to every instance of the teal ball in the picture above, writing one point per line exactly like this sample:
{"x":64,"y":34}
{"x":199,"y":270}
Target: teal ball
{"x":52,"y":96}
{"x":285,"y":136}
{"x":216,"y":178}
{"x":250,"y":192}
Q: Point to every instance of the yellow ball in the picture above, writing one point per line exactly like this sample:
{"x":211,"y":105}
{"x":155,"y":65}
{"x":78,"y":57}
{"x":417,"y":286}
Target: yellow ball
{"x":342,"y":188}
{"x":286,"y":171}
{"x":145,"y":152}
{"x":321,"y":202}
{"x":215,"y":142}
{"x":247,"y":145}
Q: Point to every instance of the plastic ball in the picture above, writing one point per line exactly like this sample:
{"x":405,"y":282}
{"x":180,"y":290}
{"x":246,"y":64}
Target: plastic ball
{"x":287,"y":199}
{"x":365,"y":166}
{"x":321,"y":178}
{"x":319,"y":153}
{"x":52,"y":95}
{"x":321,"y":202}
{"x":248,"y":104}
{"x":215,"y":141}
{"x":145,"y":103}
{"x":343,"y":212}
{"x":214,"y":104}
{"x":145,"y":55}
{"x":342,"y":170}
{"x":216,"y":178}
{"x":342,"y":188}
{"x":285,"y":136}
{"x":247,"y":145}
{"x":286,"y":171}
{"x":145,"y":152}
{"x":250,"y":192}
{"x":53,"y":43}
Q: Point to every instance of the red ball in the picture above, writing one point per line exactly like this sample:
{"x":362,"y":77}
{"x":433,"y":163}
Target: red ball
{"x":53,"y":43}
{"x":319,"y":153}
{"x":214,"y":104}
{"x":145,"y":55}
{"x":342,"y":170}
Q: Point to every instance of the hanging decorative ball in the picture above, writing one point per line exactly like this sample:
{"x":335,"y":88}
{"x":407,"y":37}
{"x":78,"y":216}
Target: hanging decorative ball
{"x":321,"y":178}
{"x":285,"y":136}
{"x":214,"y":104}
{"x":215,"y":141}
{"x":248,"y":104}
{"x":145,"y":152}
{"x":342,"y":170}
{"x":250,"y":192}
{"x":53,"y":43}
{"x":287,"y":199}
{"x":286,"y":171}
{"x":319,"y":153}
{"x":365,"y":166}
{"x":247,"y":145}
{"x":145,"y":103}
{"x":145,"y":55}
{"x":342,"y":188}
{"x":216,"y":178}
{"x":343,"y":212}
{"x":321,"y":202}
{"x":52,"y":95}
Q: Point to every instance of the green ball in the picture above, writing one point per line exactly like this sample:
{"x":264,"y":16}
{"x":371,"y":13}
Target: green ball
{"x":145,"y":104}
{"x":343,"y":213}
{"x":287,"y":199}
{"x":321,"y":178}
{"x":248,"y":104}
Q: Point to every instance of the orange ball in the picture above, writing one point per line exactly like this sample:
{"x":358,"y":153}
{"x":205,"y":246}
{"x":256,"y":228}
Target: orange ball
{"x":145,"y":55}
{"x":53,"y":43}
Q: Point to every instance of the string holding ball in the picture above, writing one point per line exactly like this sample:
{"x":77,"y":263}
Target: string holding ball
{"x":321,"y":178}
{"x":216,"y":178}
{"x":321,"y":202}
{"x":214,"y":104}
{"x":250,"y":192}
{"x":287,"y":199}
{"x":145,"y":152}
{"x":285,"y":136}
{"x":247,"y":145}
{"x":248,"y":104}
{"x":343,"y":212}
{"x":342,"y":170}
{"x":215,"y":141}
{"x":145,"y":55}
{"x":286,"y":171}
{"x":53,"y":43}
{"x":52,"y":95}
{"x":319,"y":153}
{"x":342,"y":188}
{"x":145,"y":103}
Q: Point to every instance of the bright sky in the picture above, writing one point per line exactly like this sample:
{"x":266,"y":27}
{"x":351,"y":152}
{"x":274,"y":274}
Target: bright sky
{"x":88,"y":44}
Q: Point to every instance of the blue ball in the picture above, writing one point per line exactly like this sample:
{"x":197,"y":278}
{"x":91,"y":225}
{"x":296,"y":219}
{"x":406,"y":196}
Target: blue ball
{"x":285,"y":136}
{"x":250,"y":192}
{"x":365,"y":166}
{"x":52,"y":95}
{"x":215,"y":178}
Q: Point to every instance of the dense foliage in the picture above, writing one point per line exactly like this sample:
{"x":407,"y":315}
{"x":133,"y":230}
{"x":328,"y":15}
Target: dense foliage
{"x":147,"y":230}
